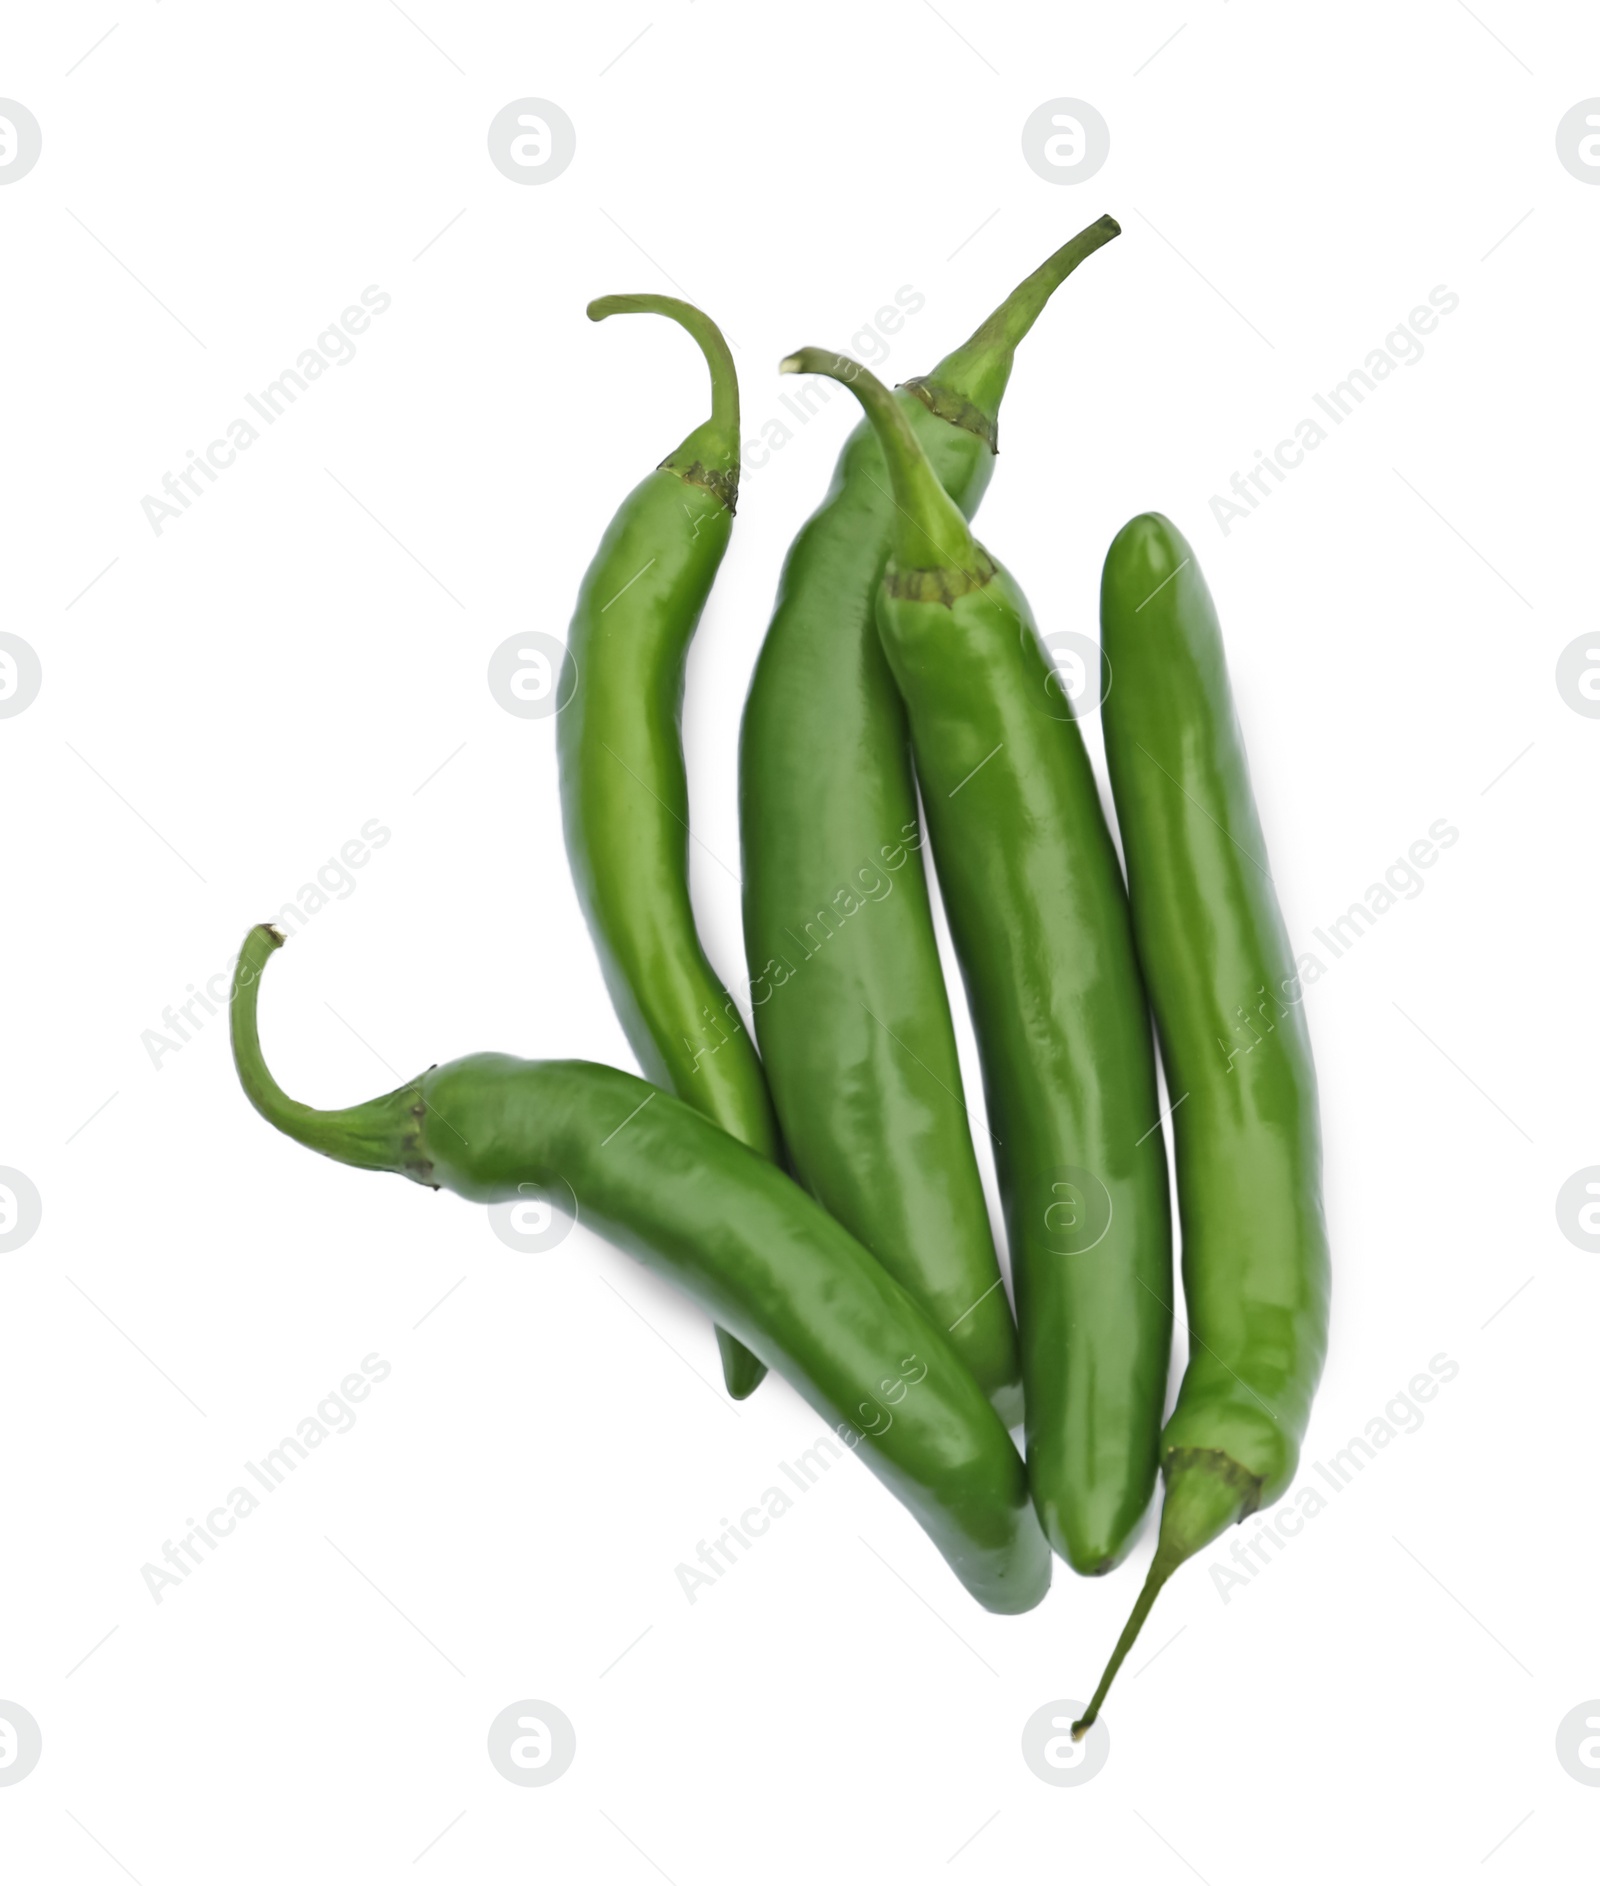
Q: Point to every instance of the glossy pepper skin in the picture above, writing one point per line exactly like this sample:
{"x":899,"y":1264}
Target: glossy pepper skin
{"x":624,"y":792}
{"x":846,"y":987}
{"x":1227,"y":1000}
{"x":1040,"y":924}
{"x":732,"y":1231}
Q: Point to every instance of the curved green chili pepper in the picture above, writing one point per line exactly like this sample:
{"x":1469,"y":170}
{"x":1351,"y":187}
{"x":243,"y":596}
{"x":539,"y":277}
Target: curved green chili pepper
{"x":623,"y":788}
{"x":1040,"y":923}
{"x":726,"y":1226}
{"x":848,"y":996}
{"x":1227,"y":999}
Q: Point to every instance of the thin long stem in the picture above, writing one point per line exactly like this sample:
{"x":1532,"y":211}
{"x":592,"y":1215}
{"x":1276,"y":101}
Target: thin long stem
{"x":1206,"y":1492}
{"x":977,"y":371}
{"x":1157,"y":1576}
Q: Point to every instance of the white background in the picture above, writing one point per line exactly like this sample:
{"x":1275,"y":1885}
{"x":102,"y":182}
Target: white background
{"x":306,"y":649}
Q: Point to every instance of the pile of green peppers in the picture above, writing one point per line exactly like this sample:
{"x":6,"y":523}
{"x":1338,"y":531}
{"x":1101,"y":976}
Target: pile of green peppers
{"x":814,"y":1185}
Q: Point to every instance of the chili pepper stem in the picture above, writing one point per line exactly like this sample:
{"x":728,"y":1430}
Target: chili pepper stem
{"x":378,"y":1136}
{"x":1206,"y":1492}
{"x":1160,"y":1571}
{"x":929,"y":531}
{"x":967,"y":385}
{"x":710,"y":454}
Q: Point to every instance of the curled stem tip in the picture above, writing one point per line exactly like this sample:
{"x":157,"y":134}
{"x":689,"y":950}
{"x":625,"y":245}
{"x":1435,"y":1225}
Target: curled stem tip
{"x":715,"y":445}
{"x":376,"y":1135}
{"x":929,"y":531}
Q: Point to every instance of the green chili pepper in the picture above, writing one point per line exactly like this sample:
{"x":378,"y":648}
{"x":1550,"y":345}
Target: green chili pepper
{"x":1222,"y":982}
{"x":846,"y":988}
{"x":1040,"y":923}
{"x":623,"y":788}
{"x":731,"y":1230}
